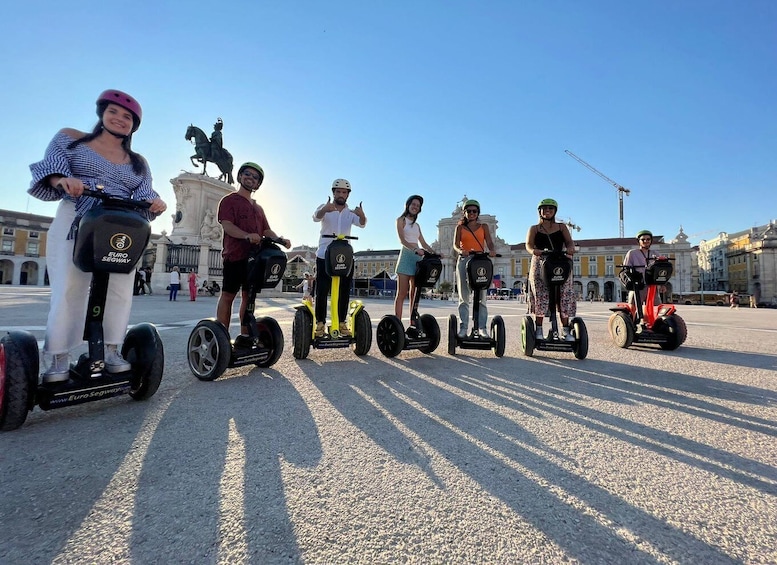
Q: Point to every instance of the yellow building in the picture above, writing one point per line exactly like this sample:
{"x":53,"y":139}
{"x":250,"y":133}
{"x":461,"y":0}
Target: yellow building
{"x":23,"y":248}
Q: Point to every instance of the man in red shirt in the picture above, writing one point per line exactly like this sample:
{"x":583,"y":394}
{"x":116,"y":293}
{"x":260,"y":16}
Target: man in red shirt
{"x":244,"y":225}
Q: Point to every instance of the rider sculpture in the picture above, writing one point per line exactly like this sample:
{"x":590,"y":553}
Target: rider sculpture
{"x":211,"y":150}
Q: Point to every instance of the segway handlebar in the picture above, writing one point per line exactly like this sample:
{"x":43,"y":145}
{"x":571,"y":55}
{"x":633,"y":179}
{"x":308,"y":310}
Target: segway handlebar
{"x":554,"y":253}
{"x":124,"y":202}
{"x":652,"y":260}
{"x":279,"y":240}
{"x":341,"y":236}
{"x":474,"y":253}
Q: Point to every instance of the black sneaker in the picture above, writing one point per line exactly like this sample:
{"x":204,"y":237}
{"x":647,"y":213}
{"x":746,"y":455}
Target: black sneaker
{"x":244,"y":342}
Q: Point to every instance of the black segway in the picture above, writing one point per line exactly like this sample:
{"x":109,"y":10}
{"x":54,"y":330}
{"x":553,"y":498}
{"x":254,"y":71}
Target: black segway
{"x":339,"y":263}
{"x":111,"y":238}
{"x":209,"y":350}
{"x":424,"y":332}
{"x":556,"y":269}
{"x":480,"y":272}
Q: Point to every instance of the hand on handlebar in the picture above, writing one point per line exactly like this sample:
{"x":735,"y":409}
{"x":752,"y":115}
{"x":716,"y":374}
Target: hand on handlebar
{"x":72,"y":186}
{"x":157,"y":206}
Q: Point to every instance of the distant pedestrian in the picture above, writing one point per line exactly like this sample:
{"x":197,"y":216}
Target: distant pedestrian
{"x":139,"y":277}
{"x":175,"y":282}
{"x":192,"y":285}
{"x":147,"y":280}
{"x":734,"y":300}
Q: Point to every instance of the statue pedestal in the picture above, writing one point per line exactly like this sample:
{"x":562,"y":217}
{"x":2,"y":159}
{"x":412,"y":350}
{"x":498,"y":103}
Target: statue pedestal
{"x":195,"y":196}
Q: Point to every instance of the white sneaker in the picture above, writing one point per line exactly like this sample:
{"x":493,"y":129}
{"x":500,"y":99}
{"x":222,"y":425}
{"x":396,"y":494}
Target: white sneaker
{"x":484,"y":333}
{"x":59,"y":370}
{"x":568,"y":335}
{"x":114,"y":362}
{"x":538,"y":334}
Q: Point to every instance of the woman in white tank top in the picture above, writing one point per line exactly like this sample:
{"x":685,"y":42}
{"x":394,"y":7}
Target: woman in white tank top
{"x":413,"y":248}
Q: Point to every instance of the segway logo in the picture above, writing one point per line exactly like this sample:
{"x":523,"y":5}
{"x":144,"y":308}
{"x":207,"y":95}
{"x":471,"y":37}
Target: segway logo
{"x":481,"y":271}
{"x":340,"y":262}
{"x":121,"y":242}
{"x":275,"y":269}
{"x":559,"y":275}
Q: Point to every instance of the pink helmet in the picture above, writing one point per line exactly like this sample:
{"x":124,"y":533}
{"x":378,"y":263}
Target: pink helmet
{"x":125,"y":101}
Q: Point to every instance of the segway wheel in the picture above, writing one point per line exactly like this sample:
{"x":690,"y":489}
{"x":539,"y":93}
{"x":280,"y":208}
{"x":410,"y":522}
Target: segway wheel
{"x":209,"y":350}
{"x":271,"y":335}
{"x":143,"y":350}
{"x":432,"y":330}
{"x":580,"y":347}
{"x":301,"y":332}
{"x":390,"y":336}
{"x":676,"y":330}
{"x":452,"y":334}
{"x":18,"y":378}
{"x":622,"y":329}
{"x":498,"y":336}
{"x":528,"y":336}
{"x":362,"y":333}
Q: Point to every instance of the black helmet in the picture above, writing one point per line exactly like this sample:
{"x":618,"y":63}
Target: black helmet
{"x":414,"y":197}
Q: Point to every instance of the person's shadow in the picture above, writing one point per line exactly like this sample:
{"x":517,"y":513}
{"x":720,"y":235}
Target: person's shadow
{"x":211,"y":479}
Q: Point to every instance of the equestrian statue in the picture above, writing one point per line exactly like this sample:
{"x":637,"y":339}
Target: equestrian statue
{"x":211,"y":150}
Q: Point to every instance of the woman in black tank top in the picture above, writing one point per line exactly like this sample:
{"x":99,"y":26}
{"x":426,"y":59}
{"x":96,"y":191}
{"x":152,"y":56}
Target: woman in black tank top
{"x":554,"y":236}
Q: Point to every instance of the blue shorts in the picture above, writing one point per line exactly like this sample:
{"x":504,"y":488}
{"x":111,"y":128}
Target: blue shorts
{"x":406,"y":262}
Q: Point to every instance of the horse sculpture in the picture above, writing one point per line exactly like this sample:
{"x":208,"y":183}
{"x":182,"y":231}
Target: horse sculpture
{"x":205,"y":152}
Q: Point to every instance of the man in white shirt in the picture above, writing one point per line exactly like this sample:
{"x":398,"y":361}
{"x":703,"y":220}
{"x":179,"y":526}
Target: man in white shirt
{"x":336,"y":219}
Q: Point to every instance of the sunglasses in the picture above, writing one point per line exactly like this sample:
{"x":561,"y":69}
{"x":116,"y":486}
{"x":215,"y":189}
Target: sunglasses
{"x":646,"y":239}
{"x":472,"y":211}
{"x":256,"y":176}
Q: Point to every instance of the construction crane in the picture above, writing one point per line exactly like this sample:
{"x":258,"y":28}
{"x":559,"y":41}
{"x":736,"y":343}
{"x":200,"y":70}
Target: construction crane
{"x":571,"y":225}
{"x":621,"y":190}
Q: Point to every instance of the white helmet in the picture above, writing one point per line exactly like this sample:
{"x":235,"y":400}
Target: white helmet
{"x":341,"y":183}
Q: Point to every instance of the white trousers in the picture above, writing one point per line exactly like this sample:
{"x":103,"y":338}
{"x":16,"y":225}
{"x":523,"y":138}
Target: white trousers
{"x":70,"y":292}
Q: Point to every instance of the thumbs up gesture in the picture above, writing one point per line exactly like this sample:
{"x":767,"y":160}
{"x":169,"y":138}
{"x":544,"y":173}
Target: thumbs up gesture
{"x":359,"y":211}
{"x":329,"y":206}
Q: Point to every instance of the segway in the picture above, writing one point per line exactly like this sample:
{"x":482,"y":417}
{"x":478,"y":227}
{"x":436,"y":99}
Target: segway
{"x":660,"y":324}
{"x":210,"y":351}
{"x":339,"y":263}
{"x":111,"y":238}
{"x":480,"y":272}
{"x":556,"y":269}
{"x":423,"y":333}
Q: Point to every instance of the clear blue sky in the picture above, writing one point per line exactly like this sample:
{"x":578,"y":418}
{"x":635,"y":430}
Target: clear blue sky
{"x":674,"y":100}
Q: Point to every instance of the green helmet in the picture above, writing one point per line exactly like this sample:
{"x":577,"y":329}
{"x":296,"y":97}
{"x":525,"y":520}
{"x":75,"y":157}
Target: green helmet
{"x":547,"y":202}
{"x":644,"y":232}
{"x":472,"y":202}
{"x":251,"y":165}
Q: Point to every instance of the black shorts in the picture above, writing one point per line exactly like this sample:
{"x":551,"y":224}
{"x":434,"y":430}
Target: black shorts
{"x":235,"y":275}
